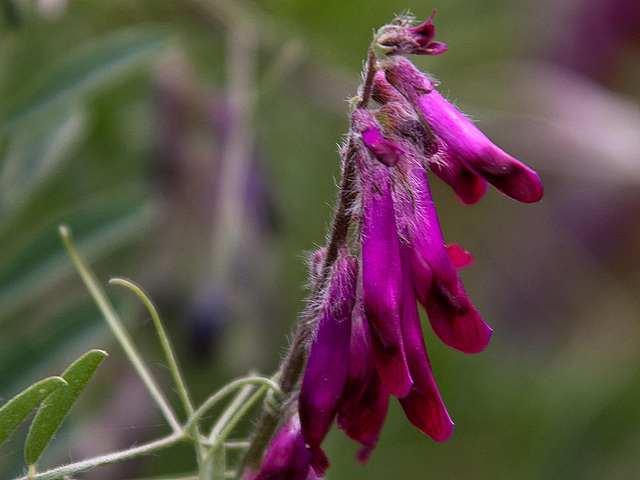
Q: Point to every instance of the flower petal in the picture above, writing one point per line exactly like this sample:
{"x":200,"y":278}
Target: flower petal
{"x":365,"y":401}
{"x":287,"y":457}
{"x":459,"y":256}
{"x":381,"y":281}
{"x":423,"y":406}
{"x":327,"y":368}
{"x":438,"y":287}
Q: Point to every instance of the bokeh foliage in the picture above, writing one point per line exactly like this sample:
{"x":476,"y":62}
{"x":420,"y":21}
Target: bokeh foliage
{"x":555,"y":394}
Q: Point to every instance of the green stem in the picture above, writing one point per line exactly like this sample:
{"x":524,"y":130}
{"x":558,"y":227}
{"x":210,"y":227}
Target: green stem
{"x":164,"y":340}
{"x":226,"y":390}
{"x":73,"y":468}
{"x":241,"y":412}
{"x":117,"y":328}
{"x":229,"y":414}
{"x":171,"y":360}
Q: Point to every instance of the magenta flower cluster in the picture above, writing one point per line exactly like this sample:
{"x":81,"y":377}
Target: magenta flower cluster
{"x":369,"y":343}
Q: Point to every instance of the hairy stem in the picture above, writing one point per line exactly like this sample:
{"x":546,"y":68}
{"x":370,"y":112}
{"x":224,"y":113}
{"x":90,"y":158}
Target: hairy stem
{"x":73,"y":468}
{"x":293,"y":364}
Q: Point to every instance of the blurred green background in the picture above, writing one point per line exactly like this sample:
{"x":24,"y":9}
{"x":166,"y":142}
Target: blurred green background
{"x":191,"y":146}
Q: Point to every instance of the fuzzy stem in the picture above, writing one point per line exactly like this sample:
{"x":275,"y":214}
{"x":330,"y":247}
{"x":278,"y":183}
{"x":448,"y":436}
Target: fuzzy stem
{"x":73,"y":468}
{"x":293,"y":364}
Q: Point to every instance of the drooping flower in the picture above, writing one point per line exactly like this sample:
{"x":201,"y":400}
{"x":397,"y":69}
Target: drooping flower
{"x":381,"y":275}
{"x":399,"y":118}
{"x":327,"y":368}
{"x":369,"y":342}
{"x":365,"y":401}
{"x":437,"y":285}
{"x":462,"y":140}
{"x":423,"y":406}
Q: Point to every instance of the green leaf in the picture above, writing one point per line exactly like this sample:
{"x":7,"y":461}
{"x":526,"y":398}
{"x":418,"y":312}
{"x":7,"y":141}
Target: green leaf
{"x":112,"y":220}
{"x":56,"y":406}
{"x":87,"y":70}
{"x":34,"y":155}
{"x":19,"y":407}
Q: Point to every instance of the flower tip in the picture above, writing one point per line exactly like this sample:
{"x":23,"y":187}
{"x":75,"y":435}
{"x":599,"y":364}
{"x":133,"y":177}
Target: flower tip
{"x":426,"y":411}
{"x":510,"y":176}
{"x":444,"y":432}
{"x":461,"y":329}
{"x":459,"y":256}
{"x":319,"y":462}
{"x":532,"y":190}
{"x":364,"y":454}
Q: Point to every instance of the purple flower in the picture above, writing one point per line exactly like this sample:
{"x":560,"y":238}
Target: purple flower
{"x":402,"y":122}
{"x":437,"y":285}
{"x":365,"y":401}
{"x":287,"y":457}
{"x":369,"y":342}
{"x":461,"y":140}
{"x":423,"y":406}
{"x":327,"y":368}
{"x":382,"y":277}
{"x":404,"y":40}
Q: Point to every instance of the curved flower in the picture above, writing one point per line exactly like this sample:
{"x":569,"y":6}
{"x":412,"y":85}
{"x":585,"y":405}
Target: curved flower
{"x":399,"y":118}
{"x":437,"y":285}
{"x":462,"y":140}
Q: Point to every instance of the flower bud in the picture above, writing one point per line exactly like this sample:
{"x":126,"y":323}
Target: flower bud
{"x":287,"y":458}
{"x":405,"y":40}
